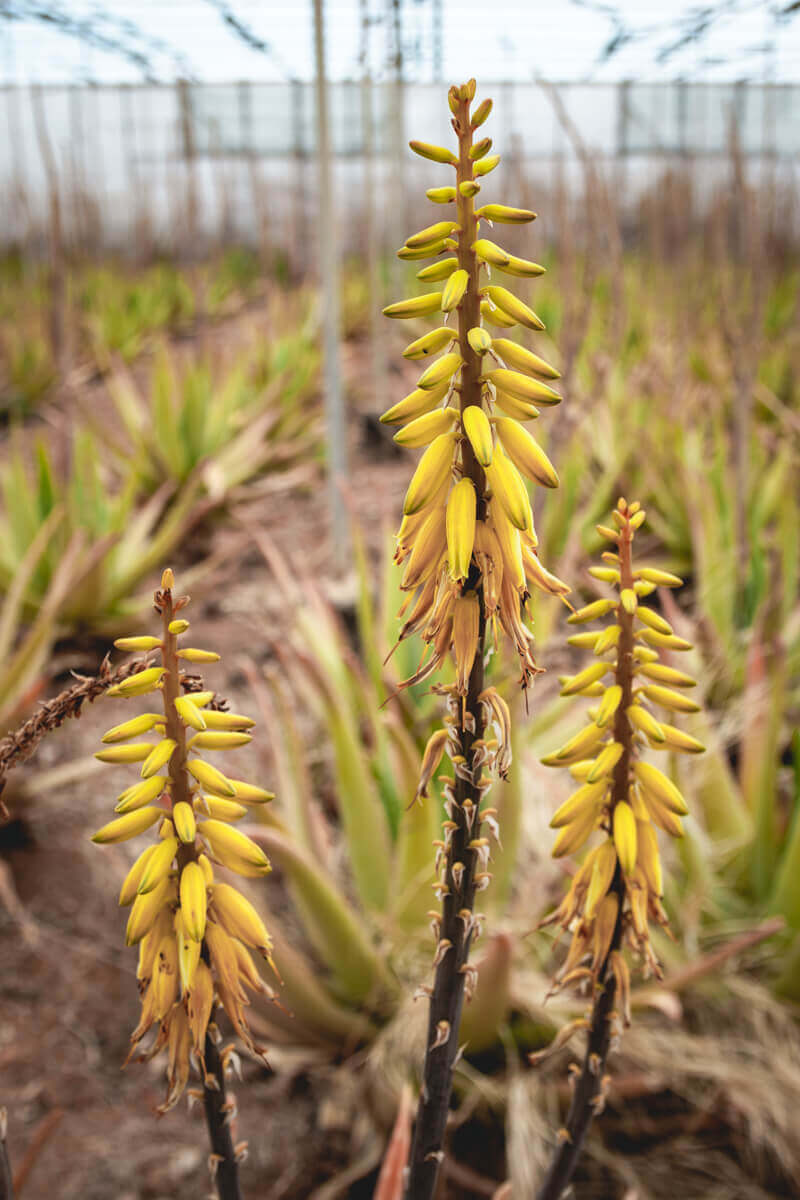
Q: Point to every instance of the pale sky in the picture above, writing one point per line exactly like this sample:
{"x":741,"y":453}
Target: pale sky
{"x":491,"y":39}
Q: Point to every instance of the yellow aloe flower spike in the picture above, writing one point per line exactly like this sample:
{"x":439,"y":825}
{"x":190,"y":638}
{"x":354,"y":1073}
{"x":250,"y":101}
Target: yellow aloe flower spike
{"x":467,"y":542}
{"x":617,"y":892}
{"x":190,"y":929}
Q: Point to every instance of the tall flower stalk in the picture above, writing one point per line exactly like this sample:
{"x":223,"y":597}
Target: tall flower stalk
{"x":470,"y":552}
{"x":194,"y":931}
{"x":617,"y":890}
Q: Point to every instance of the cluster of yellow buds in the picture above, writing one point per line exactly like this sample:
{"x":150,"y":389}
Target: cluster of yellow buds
{"x":618,"y":888}
{"x":467,"y":537}
{"x":193,"y":930}
{"x":469,"y":551}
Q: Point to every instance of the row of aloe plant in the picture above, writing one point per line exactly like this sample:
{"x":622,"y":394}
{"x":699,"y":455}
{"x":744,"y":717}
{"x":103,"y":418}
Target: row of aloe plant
{"x":115,"y":311}
{"x":84,"y":525}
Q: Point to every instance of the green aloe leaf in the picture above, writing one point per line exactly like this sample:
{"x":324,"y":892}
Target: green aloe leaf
{"x":334,"y":928}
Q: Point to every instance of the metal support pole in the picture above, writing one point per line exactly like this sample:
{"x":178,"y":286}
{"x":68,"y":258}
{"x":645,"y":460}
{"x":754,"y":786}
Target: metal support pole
{"x":329,"y":272}
{"x":438,"y":41}
{"x":397,"y":147}
{"x":374,"y":284}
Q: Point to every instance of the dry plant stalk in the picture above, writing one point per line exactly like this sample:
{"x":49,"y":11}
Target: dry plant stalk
{"x":193,"y":931}
{"x":618,"y":888}
{"x":19,"y":745}
{"x":469,"y":548}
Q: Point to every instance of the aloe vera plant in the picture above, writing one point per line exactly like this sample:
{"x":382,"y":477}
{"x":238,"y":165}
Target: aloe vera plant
{"x":218,"y":426}
{"x":94,"y":543}
{"x":27,"y":371}
{"x":121,"y":313}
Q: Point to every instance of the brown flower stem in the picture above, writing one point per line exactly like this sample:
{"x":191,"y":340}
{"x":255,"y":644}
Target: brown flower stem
{"x":226,"y":1168}
{"x":179,"y":783}
{"x":226,"y":1174}
{"x":447,"y":997}
{"x":588,"y":1089}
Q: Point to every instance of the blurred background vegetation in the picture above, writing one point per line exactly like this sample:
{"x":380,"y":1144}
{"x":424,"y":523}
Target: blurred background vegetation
{"x":161,"y":401}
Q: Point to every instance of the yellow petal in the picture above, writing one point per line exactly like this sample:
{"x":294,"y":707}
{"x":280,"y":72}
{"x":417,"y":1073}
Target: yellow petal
{"x":189,"y":713}
{"x":415,"y":306}
{"x":183,"y":819}
{"x":238,"y":916}
{"x":191,"y":654}
{"x":138,"y":644}
{"x":137,"y":752}
{"x":625,"y":836}
{"x":140,"y":794}
{"x":193,"y":900}
{"x":585,"y":677}
{"x":158,"y":865}
{"x":128,"y":826}
{"x":460,"y":528}
{"x":512,"y":307}
{"x":209,"y":777}
{"x":522,"y":387}
{"x":429,"y":343}
{"x":132,"y":728}
{"x":139,"y":684}
{"x":656,"y":783}
{"x":479,"y":340}
{"x":219,"y":739}
{"x":505,"y":215}
{"x":454,"y":290}
{"x":234,"y":849}
{"x":438,"y":154}
{"x":479,"y":431}
{"x":432,"y":469}
{"x":425,"y":429}
{"x":432,"y":233}
{"x":508,"y":487}
{"x":158,"y":757}
{"x":525,"y":452}
{"x":415,"y":404}
{"x":520,"y":359}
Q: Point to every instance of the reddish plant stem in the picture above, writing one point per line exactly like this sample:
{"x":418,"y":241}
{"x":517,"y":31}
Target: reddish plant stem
{"x":458,"y":903}
{"x":588,"y":1087}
